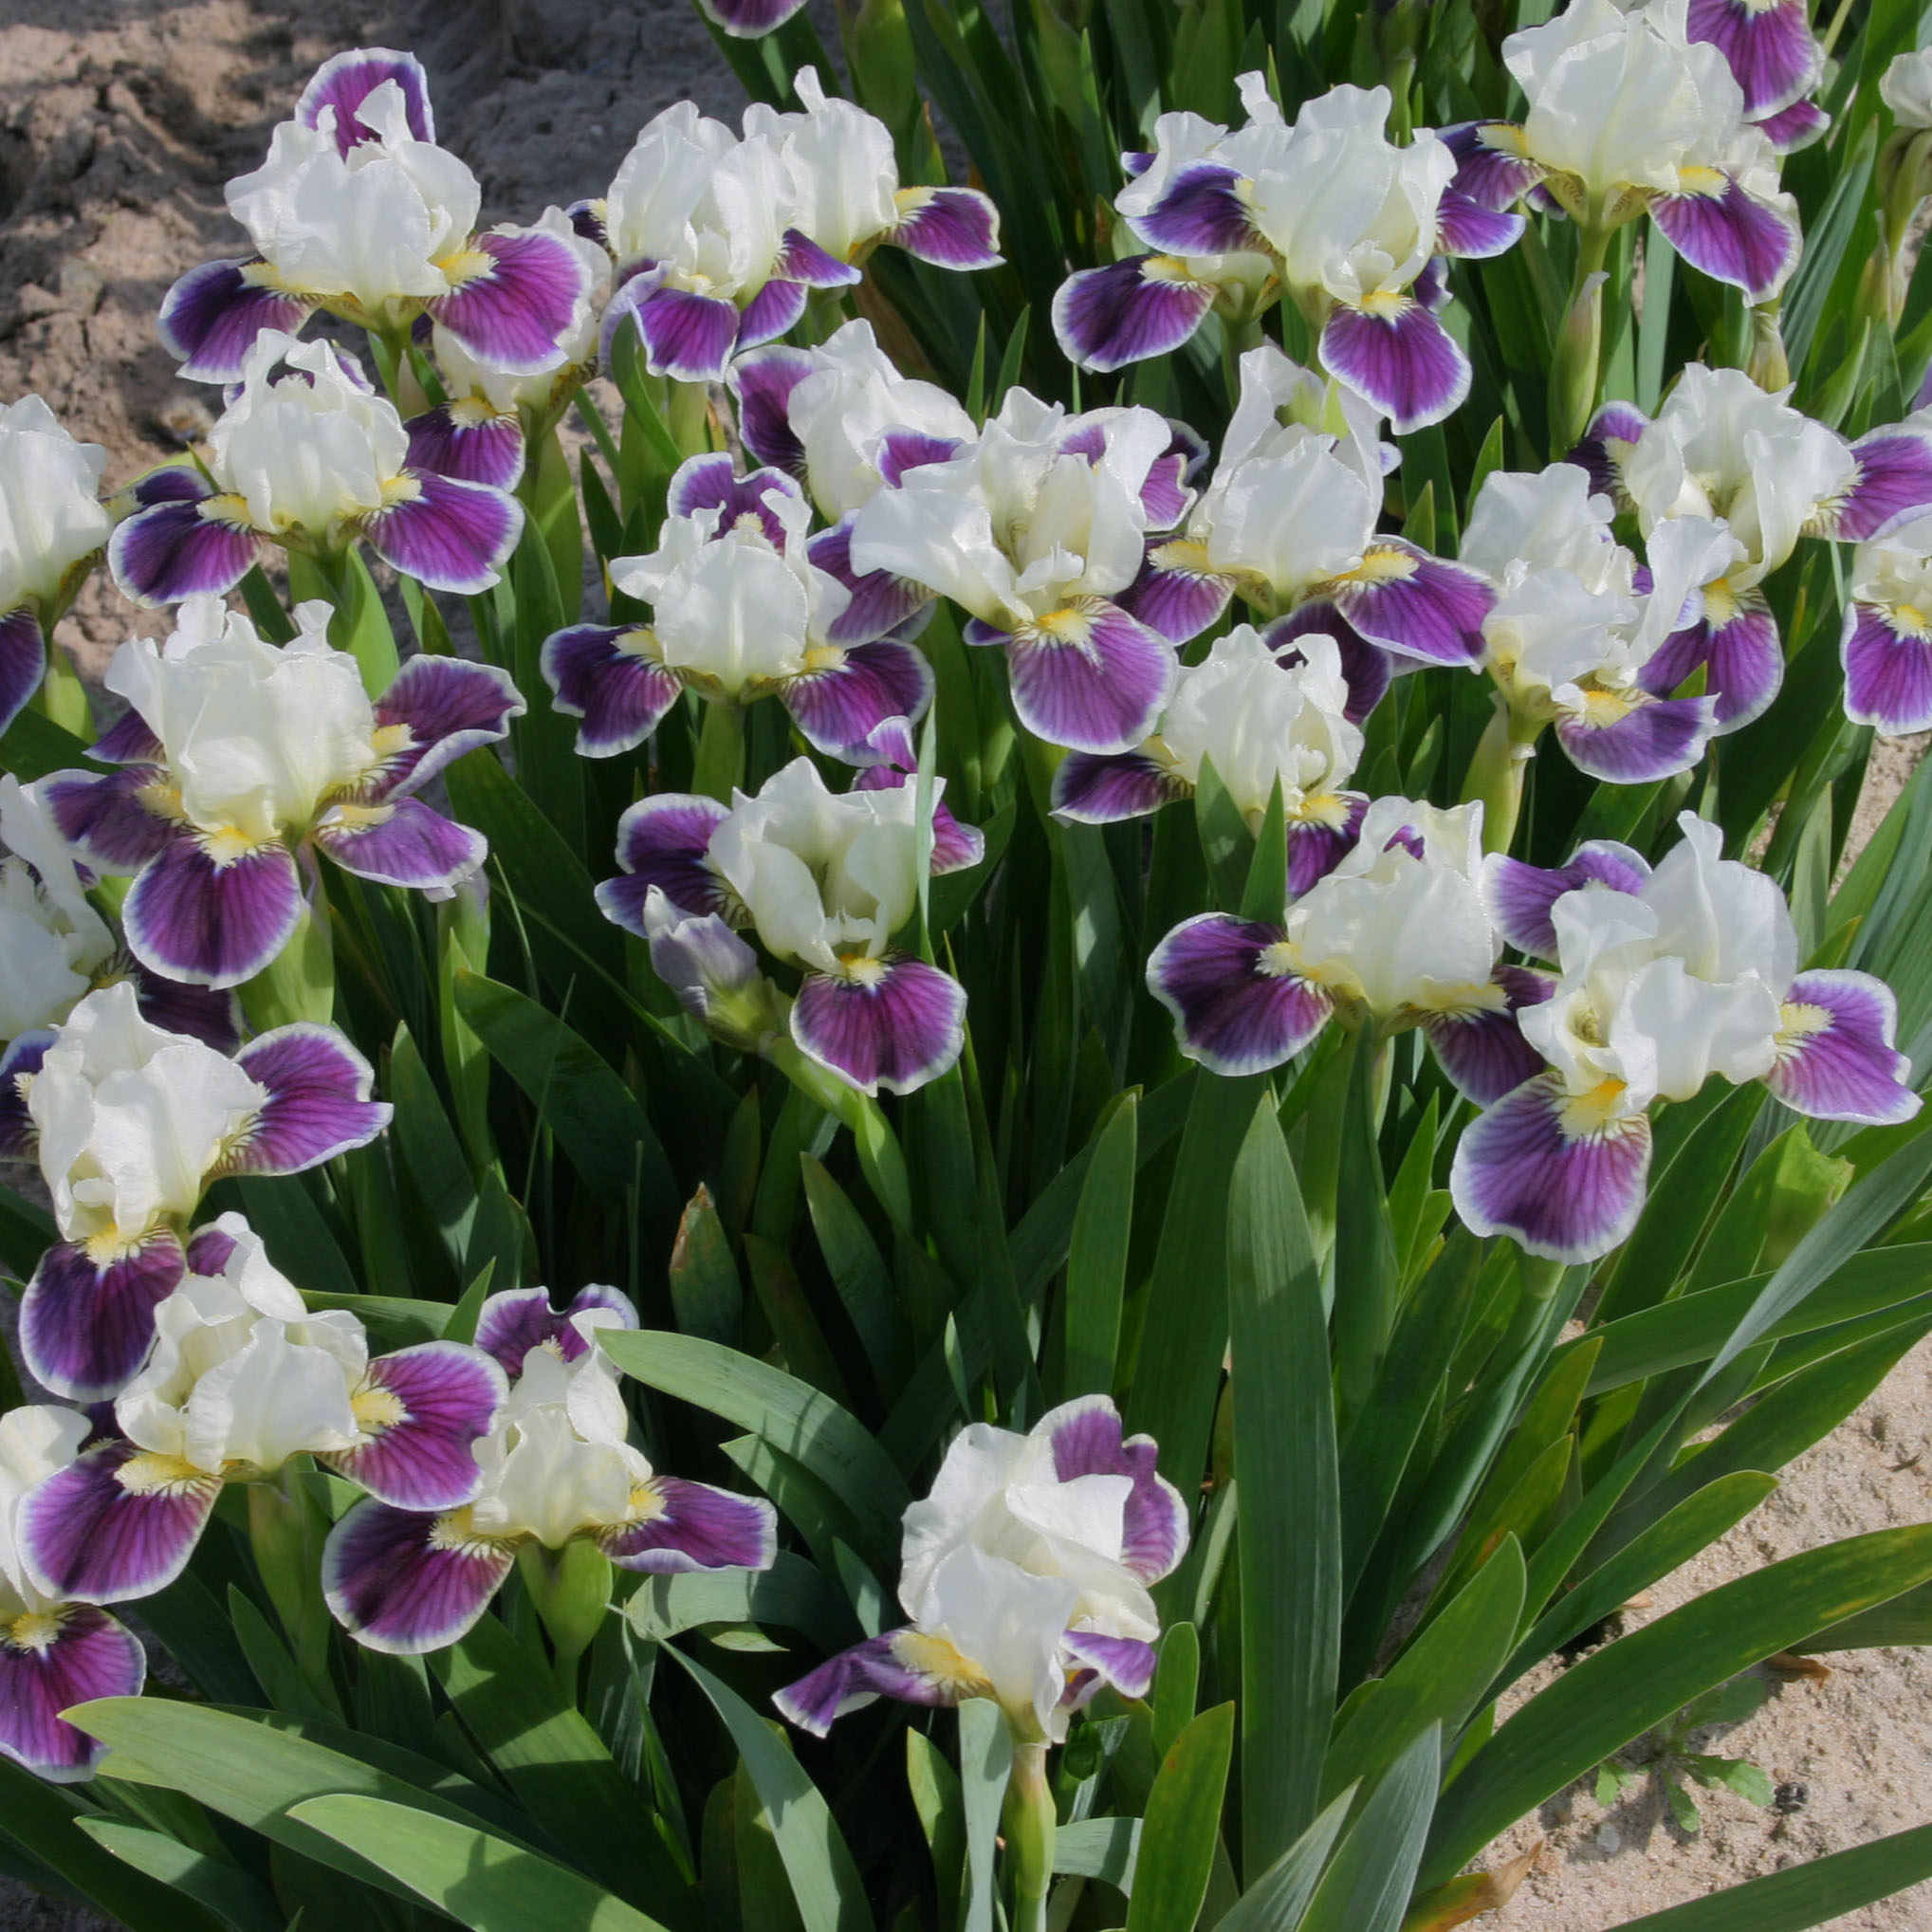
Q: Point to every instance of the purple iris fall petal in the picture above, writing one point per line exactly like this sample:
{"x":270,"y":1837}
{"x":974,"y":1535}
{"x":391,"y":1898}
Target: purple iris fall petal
{"x":49,"y":1661}
{"x":162,"y":555}
{"x":1793,"y":127}
{"x":1407,"y":363}
{"x":470,"y":445}
{"x":1366,"y":667}
{"x":1316,"y":846}
{"x":1742,"y":659}
{"x":401,"y":843}
{"x":876,"y":601}
{"x":951,"y":227}
{"x":763,"y":379}
{"x":662,"y":841}
{"x":424,"y":1409}
{"x":894,"y":764}
{"x":23,"y":1054}
{"x":1088,"y":1441}
{"x":1201,"y":213}
{"x":84,"y":1326}
{"x":449,"y":707}
{"x":902,"y":450}
{"x":892,"y":1022}
{"x":212,"y":921}
{"x":407,"y":1581}
{"x":1104,"y":319}
{"x":1770,"y":49}
{"x":318,"y":1105}
{"x":347,"y":80}
{"x":23,"y":662}
{"x":1235,"y":1010}
{"x":749,"y":19}
{"x":1491,"y":168}
{"x":693,"y":1526}
{"x":106,"y":816}
{"x":513,"y":1322}
{"x":853,"y":1679}
{"x":1567,"y":1183}
{"x":210,"y":1249}
{"x":1126,"y":1663}
{"x":774,"y":311}
{"x":130,"y":740}
{"x":1091,"y":788}
{"x":211,"y":317}
{"x":1732,"y":236}
{"x":1481,"y":1048}
{"x":1090,"y":677}
{"x":686,"y":336}
{"x":1176,"y":592}
{"x":801,"y":259}
{"x":1837,"y":1059}
{"x":1894,"y":481}
{"x":516,"y":313}
{"x":618,"y":693}
{"x":839,"y":707}
{"x":1888,"y":670}
{"x":209,"y":1014}
{"x":449,"y":535}
{"x":1419,"y":606}
{"x":1649,"y":741}
{"x":116,"y":1524}
{"x":1518,"y":897}
{"x":1465,"y":227}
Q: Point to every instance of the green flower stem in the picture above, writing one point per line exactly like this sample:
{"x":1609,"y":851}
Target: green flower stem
{"x":299,"y":983}
{"x":463,"y":945}
{"x":1573,"y":369}
{"x":720,"y":766}
{"x":63,"y":696}
{"x":286,"y":1530}
{"x":1029,"y":1820}
{"x":1496,"y":773}
{"x":571,"y":1590}
{"x":688,"y":416}
{"x":880,"y":1157}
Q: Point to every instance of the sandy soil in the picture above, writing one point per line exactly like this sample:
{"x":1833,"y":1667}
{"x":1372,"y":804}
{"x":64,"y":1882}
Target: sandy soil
{"x":119,"y":120}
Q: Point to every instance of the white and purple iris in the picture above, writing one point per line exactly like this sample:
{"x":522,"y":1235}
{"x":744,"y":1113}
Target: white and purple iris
{"x":54,"y":1652}
{"x":130,"y":1124}
{"x":740,"y":610}
{"x":1349,"y":223}
{"x":1776,"y":60}
{"x":1629,"y":114}
{"x":241,"y":760}
{"x":827,"y":880}
{"x":1394,"y":935}
{"x":1886,"y":646}
{"x":558,"y":1466}
{"x":52,"y":527}
{"x":1666,"y":979}
{"x":242,"y":1377}
{"x":358,"y":211}
{"x":307,"y":456}
{"x":1025,"y":1575}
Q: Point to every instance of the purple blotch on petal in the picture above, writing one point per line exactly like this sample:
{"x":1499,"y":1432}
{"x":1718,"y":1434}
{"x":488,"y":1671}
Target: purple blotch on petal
{"x":1519,"y":896}
{"x":1201,"y":213}
{"x":686,"y":336}
{"x":513,"y":1322}
{"x":408,"y":1581}
{"x":1770,"y":51}
{"x":1408,"y":364}
{"x":107,"y":818}
{"x":1366,"y":667}
{"x":212,"y":922}
{"x":119,"y":1523}
{"x":1894,"y":480}
{"x":619,"y":695}
{"x":662,"y":841}
{"x":449,"y":535}
{"x":401,"y":843}
{"x":749,"y":19}
{"x":1793,"y":127}
{"x":211,"y":317}
{"x":23,"y":662}
{"x":763,"y":379}
{"x":449,"y":1395}
{"x":20,"y":1057}
{"x":449,"y":707}
{"x":840,"y":708}
{"x":1491,"y":173}
{"x":853,"y":1678}
{"x":1888,"y":672}
{"x":1088,"y":1441}
{"x":775,"y":310}
{"x":1837,"y":1059}
{"x":1315,"y":847}
{"x":473,"y":449}
{"x":130,"y":740}
{"x":1649,"y":741}
{"x":1465,"y":227}
{"x":162,"y":555}
{"x":1095,"y":681}
{"x":318,"y":1106}
{"x":695,"y":1527}
{"x":1231,"y":1012}
{"x":877,"y":600}
{"x":1732,"y":236}
{"x":1126,"y":1663}
{"x":1743,"y":661}
{"x":88,"y":1655}
{"x":951,"y":227}
{"x":1106,"y":318}
{"x":516,"y":315}
{"x":347,"y":80}
{"x":83,"y":1328}
{"x":209,"y":1014}
{"x":801,"y":259}
{"x":1430,"y":610}
{"x":893,"y":1022}
{"x":1091,"y":789}
{"x":1482,"y":1049}
{"x":1175,"y":594}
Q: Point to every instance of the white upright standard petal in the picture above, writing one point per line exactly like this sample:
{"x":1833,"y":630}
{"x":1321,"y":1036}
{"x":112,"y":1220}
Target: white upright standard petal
{"x":52,"y":940}
{"x":1905,"y":87}
{"x":50,"y":517}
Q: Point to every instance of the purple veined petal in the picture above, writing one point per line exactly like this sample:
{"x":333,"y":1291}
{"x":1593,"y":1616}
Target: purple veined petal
{"x":1366,"y":667}
{"x":515,"y":1320}
{"x":840,"y":706}
{"x":446,"y":535}
{"x":116,"y":1524}
{"x":1431,"y":285}
{"x":1769,"y":49}
{"x":175,"y":551}
{"x":210,"y":1249}
{"x":516,"y":311}
{"x":1406,"y":363}
{"x":1894,"y":481}
{"x":1087,"y":1440}
{"x":49,"y":1661}
{"x":1837,"y":1059}
{"x":801,"y":259}
{"x":977,"y":631}
{"x":713,"y":972}
{"x":130,"y":740}
{"x":903,"y":1665}
{"x":1201,"y":213}
{"x":662,"y":841}
{"x":1419,"y":606}
{"x":23,"y":662}
{"x":211,"y":317}
{"x":951,"y":227}
{"x":892,"y":1022}
{"x":318,"y":1105}
{"x":686,"y":336}
{"x":902,"y":450}
{"x":774,"y":311}
{"x":693,"y":1526}
{"x":422,"y":1411}
{"x":587,"y":218}
{"x":749,"y":19}
{"x":600,"y":676}
{"x":22,"y":1057}
{"x":1793,"y":127}
{"x":1556,"y":1172}
{"x":207,"y":920}
{"x":446,"y":705}
{"x":1518,"y":897}
{"x":469,"y":442}
{"x":1888,"y":670}
{"x":347,"y":80}
{"x":1467,"y":229}
{"x":84,"y":1327}
{"x":1642,"y":742}
{"x":401,"y":843}
{"x":1144,"y":305}
{"x":892,"y":752}
{"x":1613,"y":430}
{"x":877,"y":601}
{"x":1235,"y":1009}
{"x":209,"y":1014}
{"x":108,"y":816}
{"x":1481,"y":1048}
{"x":1316,"y":844}
{"x":1091,"y":788}
{"x":1125,"y":1662}
{"x":1731,"y":235}
{"x":1176,"y":592}
{"x":1090,"y":677}
{"x":182,"y":481}
{"x":1742,"y":658}
{"x":1492,"y":167}
{"x":408,"y":1581}
{"x":764,"y":380}
{"x":711,"y":483}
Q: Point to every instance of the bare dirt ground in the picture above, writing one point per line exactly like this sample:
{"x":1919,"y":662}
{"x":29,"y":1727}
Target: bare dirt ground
{"x":121,"y":119}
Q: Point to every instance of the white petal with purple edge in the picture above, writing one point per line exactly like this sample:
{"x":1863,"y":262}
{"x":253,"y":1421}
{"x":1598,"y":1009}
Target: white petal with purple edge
{"x":662,"y":841}
{"x":1090,"y":677}
{"x":1837,"y":1059}
{"x":1106,"y":318}
{"x":117,"y":1523}
{"x":23,"y":662}
{"x":1125,"y":1662}
{"x":1088,"y":1441}
{"x":1732,"y":236}
{"x":881,"y":1666}
{"x":401,"y":843}
{"x":83,"y":1328}
{"x":1482,"y":1049}
{"x":471,"y":446}
{"x":619,"y":693}
{"x":1093,"y":790}
{"x":1888,"y":672}
{"x":105,"y":818}
{"x":449,"y":707}
{"x":422,"y":1411}
{"x":449,"y":535}
{"x":1408,"y":364}
{"x":1201,"y":213}
{"x":212,"y":922}
{"x":838,"y":708}
{"x":1646,"y":742}
{"x":1176,"y":592}
{"x":513,"y":1322}
{"x":951,"y":227}
{"x":211,"y":317}
{"x":347,"y":80}
{"x":693,"y":1526}
{"x":164,"y":554}
{"x":764,"y":380}
{"x":1416,"y":605}
{"x":49,"y":1661}
{"x":890,"y":1022}
{"x":686,"y":337}
{"x":516,"y":314}
{"x":318,"y":1105}
{"x":407,"y":1582}
{"x":1742,"y":659}
{"x":1235,"y":1010}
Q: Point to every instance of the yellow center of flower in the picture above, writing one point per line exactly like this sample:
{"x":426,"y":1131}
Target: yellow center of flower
{"x":1697,"y":181}
{"x":377,"y":1408}
{"x":1800,"y":1021}
{"x":1381,"y":563}
{"x":456,"y":1530}
{"x":1602,"y":708}
{"x":1721,"y":603}
{"x":1069,"y":625}
{"x":150,"y":1473}
{"x":1165,"y":268}
{"x":1908,"y":621}
{"x":646,"y":1504}
{"x":1182,"y":553}
{"x":226,"y":844}
{"x":1277,"y":961}
{"x":230,"y":509}
{"x":1386,"y":303}
{"x":400,"y":489}
{"x":941,"y":1662}
{"x":35,"y":1630}
{"x":862,"y":972}
{"x":1585,"y":1115}
{"x":465,"y":265}
{"x":822,"y":658}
